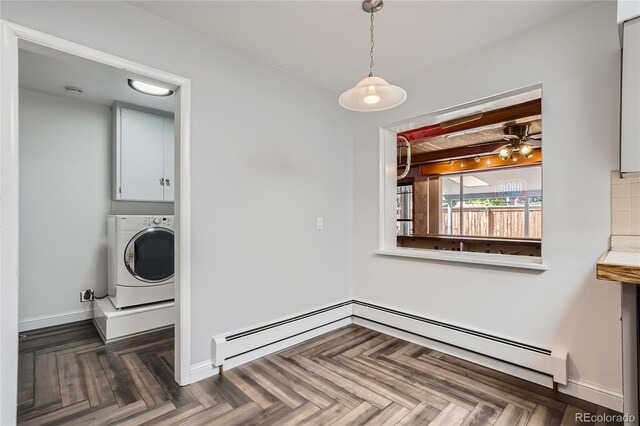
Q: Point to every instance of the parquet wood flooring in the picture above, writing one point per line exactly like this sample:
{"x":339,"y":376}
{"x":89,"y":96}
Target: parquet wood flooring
{"x":352,"y":376}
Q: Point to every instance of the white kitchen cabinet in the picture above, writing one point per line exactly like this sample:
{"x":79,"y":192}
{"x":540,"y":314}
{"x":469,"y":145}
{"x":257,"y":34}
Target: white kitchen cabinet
{"x":143,"y":154}
{"x":630,"y":106}
{"x":627,"y":10}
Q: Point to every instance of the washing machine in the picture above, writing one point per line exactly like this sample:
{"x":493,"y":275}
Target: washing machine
{"x":141,"y":260}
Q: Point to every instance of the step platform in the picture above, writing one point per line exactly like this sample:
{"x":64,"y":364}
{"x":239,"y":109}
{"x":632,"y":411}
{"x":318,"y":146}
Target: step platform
{"x":115,"y":324}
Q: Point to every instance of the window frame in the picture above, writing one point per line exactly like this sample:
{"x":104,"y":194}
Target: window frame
{"x":388,"y":185}
{"x":412,"y":219}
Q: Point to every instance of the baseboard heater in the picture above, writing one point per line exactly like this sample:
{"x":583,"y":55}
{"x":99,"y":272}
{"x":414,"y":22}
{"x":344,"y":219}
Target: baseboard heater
{"x":541,"y":360}
{"x":292,"y":330}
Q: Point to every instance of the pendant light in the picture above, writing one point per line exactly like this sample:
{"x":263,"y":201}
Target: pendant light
{"x":372,"y":93}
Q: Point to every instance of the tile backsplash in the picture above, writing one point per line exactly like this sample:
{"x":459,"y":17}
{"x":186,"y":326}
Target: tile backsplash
{"x":625,"y":205}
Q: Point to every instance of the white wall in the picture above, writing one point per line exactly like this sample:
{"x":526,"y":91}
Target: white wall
{"x":565,"y":308}
{"x":270,"y":153}
{"x":64,"y":200}
{"x":65,"y":197}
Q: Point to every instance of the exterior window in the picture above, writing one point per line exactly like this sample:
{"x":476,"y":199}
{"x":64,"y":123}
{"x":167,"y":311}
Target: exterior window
{"x":450,"y":224}
{"x":405,"y":210}
{"x":497,"y":203}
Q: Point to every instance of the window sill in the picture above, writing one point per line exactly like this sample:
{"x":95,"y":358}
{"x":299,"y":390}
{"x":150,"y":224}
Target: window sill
{"x":490,"y":259}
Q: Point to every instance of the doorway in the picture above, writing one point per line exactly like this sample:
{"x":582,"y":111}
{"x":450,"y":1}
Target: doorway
{"x":14,"y":38}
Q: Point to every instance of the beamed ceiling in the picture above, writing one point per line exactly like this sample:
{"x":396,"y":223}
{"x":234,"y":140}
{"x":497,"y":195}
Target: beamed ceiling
{"x":469,"y":136}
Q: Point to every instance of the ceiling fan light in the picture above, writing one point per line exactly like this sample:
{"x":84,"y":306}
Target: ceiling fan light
{"x":505,"y":153}
{"x":529,"y":155}
{"x":372,"y":94}
{"x":526,"y":151}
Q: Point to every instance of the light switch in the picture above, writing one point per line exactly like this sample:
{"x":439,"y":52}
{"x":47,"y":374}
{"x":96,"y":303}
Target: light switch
{"x":319,"y":223}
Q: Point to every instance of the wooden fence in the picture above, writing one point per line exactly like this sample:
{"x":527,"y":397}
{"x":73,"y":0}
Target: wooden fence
{"x":494,"y":221}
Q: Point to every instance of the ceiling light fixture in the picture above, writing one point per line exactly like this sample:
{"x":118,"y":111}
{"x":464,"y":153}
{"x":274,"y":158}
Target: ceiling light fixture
{"x":148,"y":88}
{"x":372,"y":93}
{"x":526,"y":151}
{"x":462,"y":120}
{"x":505,"y":153}
{"x":468,"y":131}
{"x":518,"y":140}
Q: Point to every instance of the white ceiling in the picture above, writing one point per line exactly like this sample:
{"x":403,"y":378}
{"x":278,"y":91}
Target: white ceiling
{"x":327,"y":42}
{"x":47,"y":71}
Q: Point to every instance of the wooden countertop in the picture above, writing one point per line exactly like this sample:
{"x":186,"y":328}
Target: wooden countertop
{"x":619,"y":266}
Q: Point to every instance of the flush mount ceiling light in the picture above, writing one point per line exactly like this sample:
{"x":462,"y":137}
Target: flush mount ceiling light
{"x":149,"y":89}
{"x":372,"y":93}
{"x":519,"y":141}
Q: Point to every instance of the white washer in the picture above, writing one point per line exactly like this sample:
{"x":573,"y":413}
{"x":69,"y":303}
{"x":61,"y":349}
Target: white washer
{"x":141,"y":259}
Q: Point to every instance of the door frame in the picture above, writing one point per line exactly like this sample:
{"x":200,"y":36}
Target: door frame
{"x":11,"y":34}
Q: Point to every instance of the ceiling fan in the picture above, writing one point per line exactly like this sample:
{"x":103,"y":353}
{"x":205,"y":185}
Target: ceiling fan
{"x":518,"y":141}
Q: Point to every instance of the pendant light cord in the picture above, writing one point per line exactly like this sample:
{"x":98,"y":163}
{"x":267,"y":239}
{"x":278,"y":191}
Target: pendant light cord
{"x":371,"y":51}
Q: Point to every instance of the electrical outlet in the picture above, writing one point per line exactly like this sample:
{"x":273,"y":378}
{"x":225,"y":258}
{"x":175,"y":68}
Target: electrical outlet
{"x":86,"y":296}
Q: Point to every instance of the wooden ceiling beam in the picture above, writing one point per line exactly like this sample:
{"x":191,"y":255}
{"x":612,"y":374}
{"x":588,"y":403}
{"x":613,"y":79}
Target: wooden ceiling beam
{"x":486,"y":162}
{"x":458,"y":152}
{"x":502,"y":115}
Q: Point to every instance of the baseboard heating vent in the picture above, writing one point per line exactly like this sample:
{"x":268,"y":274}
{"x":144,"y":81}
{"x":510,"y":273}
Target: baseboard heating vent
{"x":271,"y":337}
{"x":242,"y":346}
{"x":538,"y":359}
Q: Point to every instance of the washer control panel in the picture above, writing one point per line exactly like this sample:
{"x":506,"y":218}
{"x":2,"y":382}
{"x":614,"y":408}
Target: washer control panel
{"x":158,"y":221}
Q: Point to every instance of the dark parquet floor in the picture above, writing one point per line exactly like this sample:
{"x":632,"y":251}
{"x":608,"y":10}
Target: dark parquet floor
{"x":351,"y":376}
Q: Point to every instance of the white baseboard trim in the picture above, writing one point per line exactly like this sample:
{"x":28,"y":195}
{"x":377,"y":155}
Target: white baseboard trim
{"x":205,"y":369}
{"x":513,"y":370}
{"x":605,"y":397}
{"x":292,"y":341}
{"x":202,"y":370}
{"x":232,"y":350}
{"x":521,"y":354}
{"x":235,"y":348}
{"x":33,"y":323}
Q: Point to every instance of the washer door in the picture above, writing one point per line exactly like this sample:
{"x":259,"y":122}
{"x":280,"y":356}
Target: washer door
{"x":149,"y":255}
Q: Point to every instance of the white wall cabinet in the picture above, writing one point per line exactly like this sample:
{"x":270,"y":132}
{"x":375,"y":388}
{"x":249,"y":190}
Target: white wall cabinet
{"x":628,"y":9}
{"x":630,"y":113}
{"x":143,"y":154}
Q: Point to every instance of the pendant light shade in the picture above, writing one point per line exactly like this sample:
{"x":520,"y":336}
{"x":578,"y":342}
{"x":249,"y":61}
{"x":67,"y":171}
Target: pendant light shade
{"x":372,"y":94}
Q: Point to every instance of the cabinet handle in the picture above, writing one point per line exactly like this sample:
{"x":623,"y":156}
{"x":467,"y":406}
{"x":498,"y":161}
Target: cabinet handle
{"x":167,"y":182}
{"x":161,"y":181}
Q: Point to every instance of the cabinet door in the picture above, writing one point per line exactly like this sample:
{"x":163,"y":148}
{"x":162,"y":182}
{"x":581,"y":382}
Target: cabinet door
{"x":169,"y":146}
{"x":141,"y":156}
{"x":627,"y":10}
{"x":630,"y":126}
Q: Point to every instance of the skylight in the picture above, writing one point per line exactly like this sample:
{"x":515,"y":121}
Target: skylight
{"x":469,"y":181}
